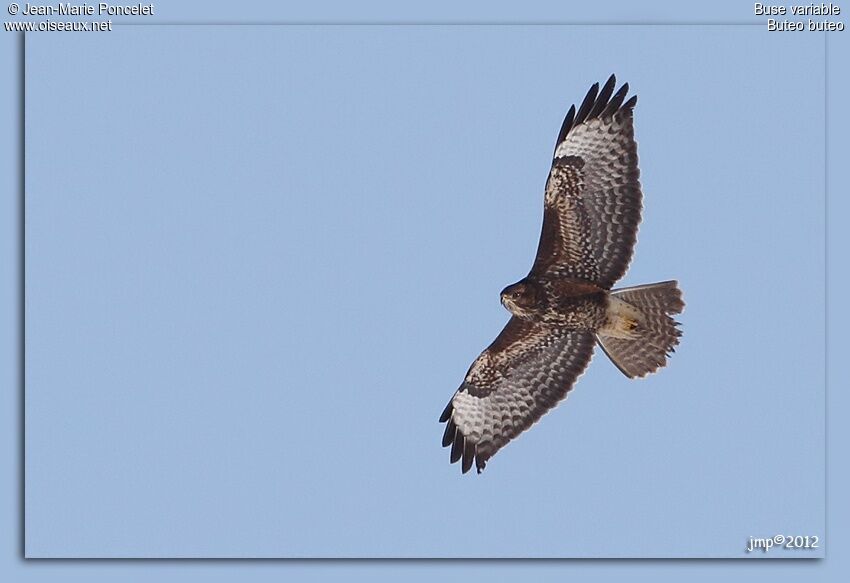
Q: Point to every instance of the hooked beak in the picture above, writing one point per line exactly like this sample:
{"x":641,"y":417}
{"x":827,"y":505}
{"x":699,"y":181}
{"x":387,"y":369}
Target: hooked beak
{"x":506,"y":302}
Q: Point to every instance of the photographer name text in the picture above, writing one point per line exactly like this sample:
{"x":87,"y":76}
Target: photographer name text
{"x":99,"y":9}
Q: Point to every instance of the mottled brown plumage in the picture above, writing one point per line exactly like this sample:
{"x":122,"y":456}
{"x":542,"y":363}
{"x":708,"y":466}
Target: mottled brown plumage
{"x":592,"y":207}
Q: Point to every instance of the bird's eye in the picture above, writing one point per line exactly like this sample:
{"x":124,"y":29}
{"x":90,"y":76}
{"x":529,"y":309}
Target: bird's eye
{"x":516,"y":294}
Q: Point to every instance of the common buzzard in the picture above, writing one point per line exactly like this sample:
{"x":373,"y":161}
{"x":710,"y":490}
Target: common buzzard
{"x":591,"y":211}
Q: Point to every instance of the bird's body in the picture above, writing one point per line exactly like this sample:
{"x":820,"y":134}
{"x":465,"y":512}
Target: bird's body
{"x":570,"y":303}
{"x":565,"y":305}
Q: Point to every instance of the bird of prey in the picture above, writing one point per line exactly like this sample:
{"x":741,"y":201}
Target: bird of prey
{"x":591,"y":209}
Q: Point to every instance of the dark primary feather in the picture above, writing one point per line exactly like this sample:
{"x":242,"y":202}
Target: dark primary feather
{"x":587,"y":104}
{"x":603,"y":97}
{"x":449,"y":434}
{"x":617,"y":101}
{"x":468,"y":456}
{"x":446,"y":414}
{"x":457,"y":446}
{"x":567,"y":125}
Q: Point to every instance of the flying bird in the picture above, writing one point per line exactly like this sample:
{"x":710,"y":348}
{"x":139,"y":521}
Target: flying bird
{"x":565,"y":305}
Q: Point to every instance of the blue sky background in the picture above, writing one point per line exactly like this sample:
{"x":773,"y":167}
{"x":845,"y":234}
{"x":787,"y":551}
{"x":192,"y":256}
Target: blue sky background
{"x":260,"y":260}
{"x":722,"y":11}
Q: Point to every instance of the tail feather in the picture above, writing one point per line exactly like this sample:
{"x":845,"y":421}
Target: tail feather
{"x":655,"y":335}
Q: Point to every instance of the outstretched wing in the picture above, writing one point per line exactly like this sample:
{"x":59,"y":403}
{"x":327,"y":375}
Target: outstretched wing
{"x":593,"y":200}
{"x":526,"y":371}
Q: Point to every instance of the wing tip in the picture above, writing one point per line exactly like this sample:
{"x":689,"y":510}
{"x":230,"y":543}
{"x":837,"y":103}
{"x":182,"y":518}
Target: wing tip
{"x":463,"y":449}
{"x":449,"y":433}
{"x":567,"y":125}
{"x":457,"y":446}
{"x":468,"y":455}
{"x":596,"y":103}
{"x":447,"y":412}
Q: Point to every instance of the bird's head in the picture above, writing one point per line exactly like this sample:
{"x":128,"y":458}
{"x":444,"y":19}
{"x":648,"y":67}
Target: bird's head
{"x":521,"y":298}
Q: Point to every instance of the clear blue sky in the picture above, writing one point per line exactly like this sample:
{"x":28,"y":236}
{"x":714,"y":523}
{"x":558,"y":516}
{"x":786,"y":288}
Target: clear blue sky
{"x":260,"y":260}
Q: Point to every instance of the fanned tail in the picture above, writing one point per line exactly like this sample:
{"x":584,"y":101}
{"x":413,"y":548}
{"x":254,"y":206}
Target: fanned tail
{"x":649,"y":335}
